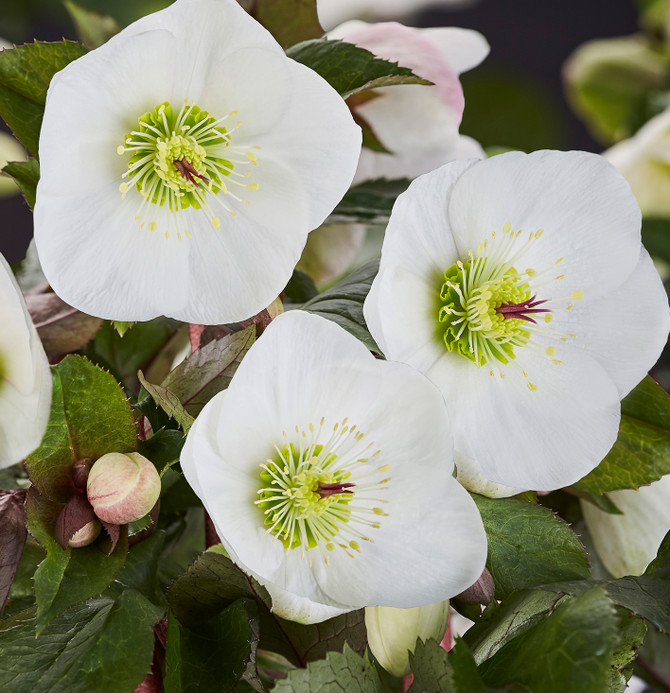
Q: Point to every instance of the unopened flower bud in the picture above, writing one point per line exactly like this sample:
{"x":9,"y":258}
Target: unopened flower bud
{"x":86,"y":535}
{"x":392,"y":633}
{"x":480,"y":592}
{"x":123,"y":488}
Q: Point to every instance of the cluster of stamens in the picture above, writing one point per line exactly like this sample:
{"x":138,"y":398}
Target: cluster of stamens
{"x":488,"y":308}
{"x":183,"y":161}
{"x":320,"y":490}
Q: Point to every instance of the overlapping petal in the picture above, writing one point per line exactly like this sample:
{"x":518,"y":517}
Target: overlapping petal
{"x":307,"y":377}
{"x":198,"y":265}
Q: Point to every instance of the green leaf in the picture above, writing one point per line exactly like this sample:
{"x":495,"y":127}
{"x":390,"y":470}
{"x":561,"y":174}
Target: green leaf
{"x":67,"y":576}
{"x":350,"y":69}
{"x":369,"y":202}
{"x":138,"y":348}
{"x":435,"y":670}
{"x":217,"y":654}
{"x":501,"y":623}
{"x":90,"y":417}
{"x":163,"y":448}
{"x":570,"y":650}
{"x":343,"y":303}
{"x":656,"y":237}
{"x":141,"y":570}
{"x":641,"y":453}
{"x":93,"y":29}
{"x":214,"y":582}
{"x":101,"y":645}
{"x":345,"y":671}
{"x":209,"y":369}
{"x":25,"y":73}
{"x":528,"y":545}
{"x":300,"y":287}
{"x":288,"y":21}
{"x":26,"y":174}
{"x":632,"y":631}
{"x":168,"y":402}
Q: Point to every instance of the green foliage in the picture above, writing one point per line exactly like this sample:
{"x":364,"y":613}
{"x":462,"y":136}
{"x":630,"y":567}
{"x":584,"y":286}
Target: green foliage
{"x":67,"y":576}
{"x":611,"y":84}
{"x":300,"y":287}
{"x":350,"y":69}
{"x":214,"y":582}
{"x":92,"y":28}
{"x":632,"y":632}
{"x":369,"y":202}
{"x":26,"y":174}
{"x":217,"y":654}
{"x":345,"y":671}
{"x":101,"y":645}
{"x":570,"y":650}
{"x":528,"y":545}
{"x":343,"y":303}
{"x":25,"y":73}
{"x":289,"y":21}
{"x":90,"y":417}
{"x":641,"y":453}
{"x":435,"y":670}
{"x":656,"y":237}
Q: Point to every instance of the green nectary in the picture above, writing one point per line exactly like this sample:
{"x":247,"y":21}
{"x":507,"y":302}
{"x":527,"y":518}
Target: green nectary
{"x":177,"y":158}
{"x":304,"y":501}
{"x":469,"y":319}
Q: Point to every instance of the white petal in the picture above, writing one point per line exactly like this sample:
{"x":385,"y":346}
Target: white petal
{"x":627,"y":543}
{"x":470,"y":475}
{"x":463,"y":49}
{"x":626,"y":330}
{"x":300,"y":609}
{"x":584,"y":205}
{"x":25,"y":380}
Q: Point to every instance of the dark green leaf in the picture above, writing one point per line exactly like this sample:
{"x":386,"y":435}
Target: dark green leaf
{"x":217,"y":654}
{"x":501,"y":623}
{"x":141,"y":569}
{"x":632,"y":631}
{"x":641,"y":453}
{"x":168,"y":402}
{"x":101,"y":645}
{"x":208,"y":370}
{"x":26,"y":174}
{"x":300,"y":287}
{"x":25,"y":73}
{"x":67,"y":576}
{"x":140,"y":345}
{"x":338,"y":672}
{"x":528,"y":545}
{"x":288,"y":21}
{"x":93,"y":29}
{"x":343,"y":303}
{"x":570,"y":650}
{"x":369,"y":203}
{"x":163,"y":448}
{"x":656,"y":237}
{"x":214,"y":582}
{"x":350,"y":69}
{"x":90,"y":417}
{"x":435,"y":670}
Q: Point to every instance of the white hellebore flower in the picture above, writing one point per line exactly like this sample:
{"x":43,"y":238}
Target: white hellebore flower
{"x":520,"y":287}
{"x":183,"y":164}
{"x":25,"y":380}
{"x":325,"y":490}
{"x":626,"y":544}
{"x":417,"y":123}
{"x":392,"y":633}
{"x":644,"y":160}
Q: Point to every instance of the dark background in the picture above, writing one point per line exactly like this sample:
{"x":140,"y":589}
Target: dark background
{"x":515,"y":98}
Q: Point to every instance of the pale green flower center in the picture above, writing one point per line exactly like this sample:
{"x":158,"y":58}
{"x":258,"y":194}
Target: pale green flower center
{"x":181,"y":161}
{"x":488,"y":309}
{"x":318,"y":495}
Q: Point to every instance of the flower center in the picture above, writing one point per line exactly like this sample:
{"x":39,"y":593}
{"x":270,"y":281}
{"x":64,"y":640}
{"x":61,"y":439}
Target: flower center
{"x":488,"y":308}
{"x":316,"y":495}
{"x":180,"y":161}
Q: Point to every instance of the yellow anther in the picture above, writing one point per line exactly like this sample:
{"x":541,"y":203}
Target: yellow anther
{"x":120,"y":149}
{"x":538,"y":233}
{"x":216,"y":223}
{"x":532,"y":387}
{"x":560,"y":259}
{"x":253,"y":186}
{"x":330,"y":546}
{"x":531,"y":272}
{"x":152,"y":226}
{"x":548,"y":317}
{"x":551,"y":351}
{"x":577,"y":295}
{"x":561,"y":276}
{"x":384,"y":468}
{"x":355,"y":545}
{"x":507,"y":227}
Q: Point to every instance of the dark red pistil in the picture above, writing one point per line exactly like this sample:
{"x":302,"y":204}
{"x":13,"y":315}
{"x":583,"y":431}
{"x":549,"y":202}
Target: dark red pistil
{"x":522,"y":311}
{"x":326,"y":490}
{"x":189,"y":172}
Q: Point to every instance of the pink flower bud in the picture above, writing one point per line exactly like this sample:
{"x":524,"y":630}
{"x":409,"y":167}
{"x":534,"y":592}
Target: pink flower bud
{"x":123,"y":488}
{"x":86,"y":535}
